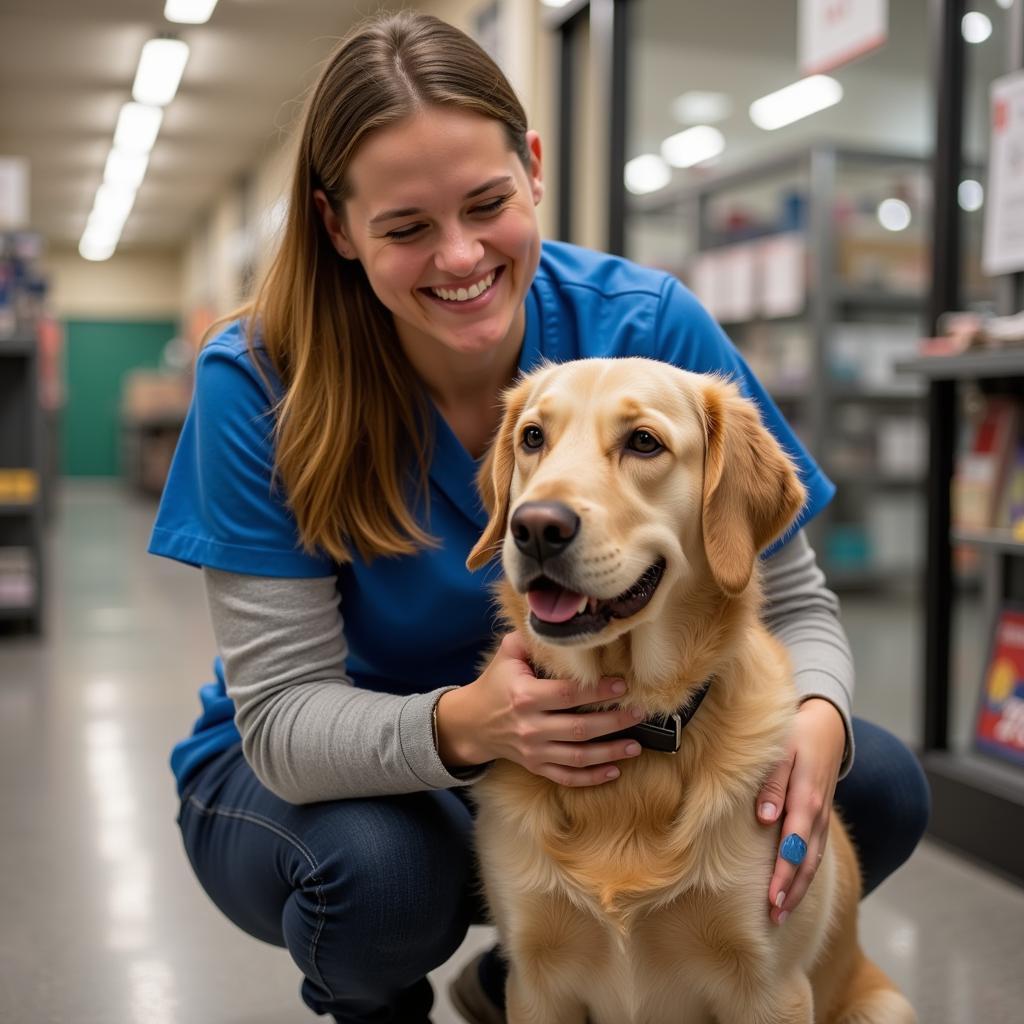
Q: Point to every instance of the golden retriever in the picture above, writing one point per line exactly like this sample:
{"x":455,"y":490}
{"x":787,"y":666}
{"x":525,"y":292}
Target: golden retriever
{"x":644,"y":900}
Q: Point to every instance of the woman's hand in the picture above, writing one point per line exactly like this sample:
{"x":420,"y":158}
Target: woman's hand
{"x":801,"y":788}
{"x":509,"y":713}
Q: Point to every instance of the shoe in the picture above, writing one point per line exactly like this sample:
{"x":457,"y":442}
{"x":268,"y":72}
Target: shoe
{"x":470,"y":999}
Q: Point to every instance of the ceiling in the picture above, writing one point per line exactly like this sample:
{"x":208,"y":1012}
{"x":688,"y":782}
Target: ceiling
{"x":66,"y":67}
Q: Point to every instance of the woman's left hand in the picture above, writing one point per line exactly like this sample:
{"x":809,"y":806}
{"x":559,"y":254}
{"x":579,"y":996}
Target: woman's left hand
{"x":800,"y":788}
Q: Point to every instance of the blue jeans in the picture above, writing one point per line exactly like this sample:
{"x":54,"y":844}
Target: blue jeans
{"x":369,"y":895}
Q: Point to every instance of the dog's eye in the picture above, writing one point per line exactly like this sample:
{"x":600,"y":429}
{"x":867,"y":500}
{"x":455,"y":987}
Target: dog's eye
{"x":643,"y":442}
{"x":533,"y":438}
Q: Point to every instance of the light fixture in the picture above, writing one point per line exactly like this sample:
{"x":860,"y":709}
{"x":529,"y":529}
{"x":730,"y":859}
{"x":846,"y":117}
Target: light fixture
{"x":95,"y":248}
{"x":555,"y":3}
{"x":137,"y":127}
{"x":693,"y":146}
{"x":160,"y":69}
{"x":894,"y":214}
{"x":112,"y":205}
{"x":976,"y":27}
{"x":647,"y":173}
{"x":696,"y":107}
{"x":796,"y":101}
{"x":126,"y":169}
{"x":970,"y":195}
{"x":189,"y":12}
{"x":1005,"y":4}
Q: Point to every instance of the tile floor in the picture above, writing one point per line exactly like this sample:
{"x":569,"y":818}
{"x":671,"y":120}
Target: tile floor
{"x":100,"y":919}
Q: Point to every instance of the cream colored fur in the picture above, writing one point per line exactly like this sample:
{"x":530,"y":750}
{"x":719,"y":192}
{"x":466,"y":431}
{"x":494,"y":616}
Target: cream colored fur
{"x":644,"y":900}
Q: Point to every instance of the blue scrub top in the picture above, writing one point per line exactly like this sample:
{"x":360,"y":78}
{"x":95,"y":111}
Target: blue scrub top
{"x":416,"y":622}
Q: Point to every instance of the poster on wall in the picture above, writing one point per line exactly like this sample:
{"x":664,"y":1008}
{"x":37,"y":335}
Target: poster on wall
{"x":1003,"y":246}
{"x":999,"y":726}
{"x":834,"y":32}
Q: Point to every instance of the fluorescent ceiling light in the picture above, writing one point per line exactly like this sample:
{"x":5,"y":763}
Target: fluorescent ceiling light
{"x":96,"y":249}
{"x":555,"y":3}
{"x":696,"y":107}
{"x":1005,"y":4}
{"x":796,"y":101}
{"x":127,"y":169}
{"x":137,"y":127}
{"x":970,"y":195}
{"x":647,"y":173}
{"x":893,"y":214}
{"x":975,"y":27}
{"x":160,"y":69}
{"x":189,"y":12}
{"x":112,"y":205}
{"x":693,"y":146}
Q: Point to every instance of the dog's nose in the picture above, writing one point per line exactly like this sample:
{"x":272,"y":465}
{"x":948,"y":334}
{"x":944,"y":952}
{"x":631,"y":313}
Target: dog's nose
{"x":543,"y":529}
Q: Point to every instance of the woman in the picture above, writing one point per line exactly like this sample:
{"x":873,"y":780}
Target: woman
{"x":330,"y":454}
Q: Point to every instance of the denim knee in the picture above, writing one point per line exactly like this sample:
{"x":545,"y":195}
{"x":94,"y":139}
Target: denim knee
{"x":885,"y":801}
{"x":391,"y":897}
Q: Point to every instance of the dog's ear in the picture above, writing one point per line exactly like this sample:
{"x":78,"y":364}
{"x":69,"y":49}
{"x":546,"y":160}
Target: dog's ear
{"x":751,"y":491}
{"x":494,"y":479}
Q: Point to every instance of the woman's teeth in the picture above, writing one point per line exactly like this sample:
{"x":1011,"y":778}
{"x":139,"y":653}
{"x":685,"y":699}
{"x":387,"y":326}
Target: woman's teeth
{"x":465,"y":294}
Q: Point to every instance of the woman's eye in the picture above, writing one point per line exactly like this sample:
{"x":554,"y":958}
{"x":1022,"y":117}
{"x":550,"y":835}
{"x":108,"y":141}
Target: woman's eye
{"x":643,"y":442}
{"x":533,"y":438}
{"x":491,"y":207}
{"x":401,"y":233}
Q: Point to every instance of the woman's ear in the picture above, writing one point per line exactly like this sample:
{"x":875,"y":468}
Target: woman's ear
{"x":536,"y":166}
{"x":335,"y":228}
{"x":494,"y":480}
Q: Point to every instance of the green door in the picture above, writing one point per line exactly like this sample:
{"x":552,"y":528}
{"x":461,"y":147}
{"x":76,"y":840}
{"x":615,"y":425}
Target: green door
{"x":97,"y":355}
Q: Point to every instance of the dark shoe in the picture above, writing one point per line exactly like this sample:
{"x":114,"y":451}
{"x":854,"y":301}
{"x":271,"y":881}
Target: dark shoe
{"x":470,"y":999}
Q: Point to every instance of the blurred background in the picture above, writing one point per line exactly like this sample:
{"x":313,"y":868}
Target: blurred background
{"x":824,"y":174}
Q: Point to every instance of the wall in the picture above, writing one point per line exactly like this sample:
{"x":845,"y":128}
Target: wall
{"x":130,"y":285}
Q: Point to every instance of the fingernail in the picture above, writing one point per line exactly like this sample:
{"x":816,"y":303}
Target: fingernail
{"x":619,"y":688}
{"x":780,"y":899}
{"x":612,"y":773}
{"x":783,"y":916}
{"x":632,"y":749}
{"x":767,"y":810}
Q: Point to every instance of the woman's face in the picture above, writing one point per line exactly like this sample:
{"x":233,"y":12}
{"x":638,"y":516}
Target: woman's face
{"x":442,"y":217}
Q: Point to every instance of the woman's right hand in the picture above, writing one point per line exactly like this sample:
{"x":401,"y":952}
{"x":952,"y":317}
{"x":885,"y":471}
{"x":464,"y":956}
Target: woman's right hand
{"x":509,"y":713}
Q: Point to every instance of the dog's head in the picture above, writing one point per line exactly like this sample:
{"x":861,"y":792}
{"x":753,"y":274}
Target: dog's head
{"x":613,"y":481}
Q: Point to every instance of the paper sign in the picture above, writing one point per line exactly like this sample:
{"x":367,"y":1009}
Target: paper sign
{"x":13,"y":193}
{"x":1003,"y":248}
{"x":835,"y":32}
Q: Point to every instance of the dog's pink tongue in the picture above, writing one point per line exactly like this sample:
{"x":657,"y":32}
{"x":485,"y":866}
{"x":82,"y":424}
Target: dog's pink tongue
{"x":554,"y":605}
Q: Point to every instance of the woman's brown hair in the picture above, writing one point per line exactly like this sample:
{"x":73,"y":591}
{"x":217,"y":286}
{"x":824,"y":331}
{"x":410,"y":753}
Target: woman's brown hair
{"x":352,"y":425}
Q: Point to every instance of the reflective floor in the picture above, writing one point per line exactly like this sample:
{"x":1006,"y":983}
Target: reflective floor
{"x":100,"y":919}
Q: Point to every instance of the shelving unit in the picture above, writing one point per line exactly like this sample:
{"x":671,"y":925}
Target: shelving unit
{"x":978,"y":803}
{"x":21,"y":448}
{"x":828,"y":358}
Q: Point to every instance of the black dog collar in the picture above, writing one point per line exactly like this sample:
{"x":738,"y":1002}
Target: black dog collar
{"x":664,"y":732}
{"x":660,"y":732}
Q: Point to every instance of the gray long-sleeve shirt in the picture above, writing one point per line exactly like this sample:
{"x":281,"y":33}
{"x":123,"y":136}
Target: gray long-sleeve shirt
{"x":310,"y":734}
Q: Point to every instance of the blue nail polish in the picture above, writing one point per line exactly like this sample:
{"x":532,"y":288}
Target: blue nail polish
{"x":794,"y":849}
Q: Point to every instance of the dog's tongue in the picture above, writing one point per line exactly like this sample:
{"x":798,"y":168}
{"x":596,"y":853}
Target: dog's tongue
{"x":554,"y":605}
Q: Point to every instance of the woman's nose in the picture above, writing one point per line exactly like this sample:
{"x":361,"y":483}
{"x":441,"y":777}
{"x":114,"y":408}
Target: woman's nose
{"x":459,"y":253}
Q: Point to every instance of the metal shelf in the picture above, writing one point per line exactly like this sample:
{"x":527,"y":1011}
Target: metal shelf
{"x":969,"y":366}
{"x":993,"y":540}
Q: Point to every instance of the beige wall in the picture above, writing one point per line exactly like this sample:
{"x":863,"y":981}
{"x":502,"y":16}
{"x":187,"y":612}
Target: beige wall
{"x":128,"y":286}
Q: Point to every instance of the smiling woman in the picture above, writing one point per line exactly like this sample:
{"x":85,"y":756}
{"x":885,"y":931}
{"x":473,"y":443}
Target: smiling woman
{"x":331,"y":454}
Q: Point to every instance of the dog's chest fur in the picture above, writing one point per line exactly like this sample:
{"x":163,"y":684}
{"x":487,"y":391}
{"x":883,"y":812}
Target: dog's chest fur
{"x":672,"y":823}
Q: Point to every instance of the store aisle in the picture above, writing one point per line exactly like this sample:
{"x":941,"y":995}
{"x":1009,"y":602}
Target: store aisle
{"x":102,"y":923}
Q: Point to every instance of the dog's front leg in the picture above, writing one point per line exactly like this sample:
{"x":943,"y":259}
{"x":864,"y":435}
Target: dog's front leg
{"x":530,"y":1001}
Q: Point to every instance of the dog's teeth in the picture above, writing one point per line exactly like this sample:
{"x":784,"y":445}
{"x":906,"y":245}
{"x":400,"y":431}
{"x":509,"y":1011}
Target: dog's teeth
{"x":583,"y":606}
{"x":593,"y":602}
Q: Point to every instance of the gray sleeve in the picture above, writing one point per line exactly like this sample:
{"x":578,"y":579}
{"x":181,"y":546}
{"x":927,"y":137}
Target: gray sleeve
{"x":804,"y":615}
{"x":307,"y":732}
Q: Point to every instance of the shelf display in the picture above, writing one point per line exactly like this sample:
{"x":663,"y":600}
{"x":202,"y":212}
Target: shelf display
{"x":999,"y":727}
{"x":823,"y":293}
